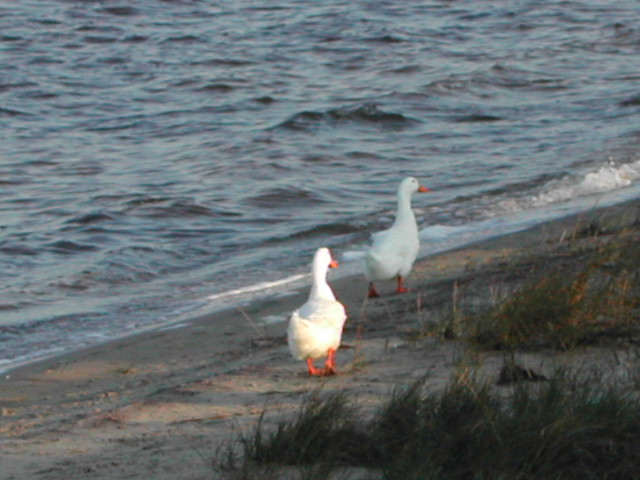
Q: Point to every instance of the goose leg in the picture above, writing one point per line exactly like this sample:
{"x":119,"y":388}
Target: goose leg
{"x":401,"y":288}
{"x":373,"y":293}
{"x":330,"y":365}
{"x":312,"y":368}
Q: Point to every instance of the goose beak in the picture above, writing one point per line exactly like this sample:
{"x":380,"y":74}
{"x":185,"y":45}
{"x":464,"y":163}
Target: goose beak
{"x":333,"y":264}
{"x":423,"y":189}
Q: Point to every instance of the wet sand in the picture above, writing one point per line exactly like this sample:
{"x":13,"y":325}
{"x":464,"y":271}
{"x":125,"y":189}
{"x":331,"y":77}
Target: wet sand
{"x":159,"y":404}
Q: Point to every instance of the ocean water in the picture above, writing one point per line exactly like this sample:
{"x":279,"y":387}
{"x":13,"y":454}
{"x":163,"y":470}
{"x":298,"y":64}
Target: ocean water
{"x":166,"y":158}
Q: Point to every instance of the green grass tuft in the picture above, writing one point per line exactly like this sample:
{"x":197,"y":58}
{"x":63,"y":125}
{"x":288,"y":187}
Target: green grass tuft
{"x":584,"y":304}
{"x":561,"y":429}
{"x":326,"y":430}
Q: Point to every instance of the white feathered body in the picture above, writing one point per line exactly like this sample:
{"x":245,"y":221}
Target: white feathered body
{"x":317,"y":325}
{"x":392,"y":251}
{"x":315,"y":328}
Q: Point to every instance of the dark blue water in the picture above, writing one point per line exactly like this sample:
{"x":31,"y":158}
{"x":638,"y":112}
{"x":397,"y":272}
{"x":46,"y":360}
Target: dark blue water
{"x":156,"y":156}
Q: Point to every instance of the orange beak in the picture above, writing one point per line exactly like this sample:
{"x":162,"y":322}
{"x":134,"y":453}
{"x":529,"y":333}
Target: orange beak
{"x":423,"y":189}
{"x":333,"y":264}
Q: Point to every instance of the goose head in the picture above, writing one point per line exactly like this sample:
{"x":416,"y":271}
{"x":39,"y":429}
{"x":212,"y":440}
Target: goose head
{"x":323,"y":259}
{"x":409,"y":186}
{"x":404,"y":214}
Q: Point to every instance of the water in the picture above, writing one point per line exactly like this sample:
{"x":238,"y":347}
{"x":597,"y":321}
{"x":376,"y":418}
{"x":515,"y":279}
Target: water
{"x":174,"y":157}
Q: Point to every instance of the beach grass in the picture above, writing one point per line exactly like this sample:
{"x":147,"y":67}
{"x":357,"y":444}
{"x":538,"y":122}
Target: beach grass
{"x":583,"y":290}
{"x":594,"y":299}
{"x":570,"y":427}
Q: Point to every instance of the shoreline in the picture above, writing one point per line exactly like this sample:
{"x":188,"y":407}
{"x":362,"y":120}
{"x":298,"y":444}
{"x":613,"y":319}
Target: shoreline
{"x":185,"y":320}
{"x":159,"y":401}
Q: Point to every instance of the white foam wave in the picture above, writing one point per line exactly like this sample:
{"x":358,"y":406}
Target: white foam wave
{"x":259,"y":287}
{"x":607,"y":178}
{"x":7,"y":364}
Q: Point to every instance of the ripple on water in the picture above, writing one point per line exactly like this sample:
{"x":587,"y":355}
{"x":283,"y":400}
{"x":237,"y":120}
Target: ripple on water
{"x":368,"y":114}
{"x":284,"y":197}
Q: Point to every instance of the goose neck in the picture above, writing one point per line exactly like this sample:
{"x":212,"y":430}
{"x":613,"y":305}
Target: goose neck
{"x":319,"y":286}
{"x":404,"y":213}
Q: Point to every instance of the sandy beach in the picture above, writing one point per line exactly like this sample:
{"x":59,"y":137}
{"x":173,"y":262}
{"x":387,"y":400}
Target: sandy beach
{"x":159,"y":404}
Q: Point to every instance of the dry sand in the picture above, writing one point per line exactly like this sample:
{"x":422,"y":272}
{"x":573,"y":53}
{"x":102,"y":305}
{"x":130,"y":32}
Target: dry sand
{"x":159,"y":404}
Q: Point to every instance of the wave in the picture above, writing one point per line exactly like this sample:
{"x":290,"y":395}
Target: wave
{"x":121,"y":11}
{"x":217,"y":88}
{"x":263,"y":287}
{"x":163,"y":207}
{"x":327,"y":229}
{"x":365,"y":114}
{"x":630,"y":102}
{"x":184,"y":39}
{"x":16,"y":249}
{"x":284,"y":197}
{"x":386,"y":39}
{"x":13,"y":113}
{"x":605,"y":179}
{"x":476,"y":118}
{"x":91,"y":218}
{"x":548,"y":191}
{"x":497,"y":75}
{"x":67,"y":247}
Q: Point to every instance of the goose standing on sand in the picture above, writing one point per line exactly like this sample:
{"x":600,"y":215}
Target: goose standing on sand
{"x":393,"y":251}
{"x":315,"y":329}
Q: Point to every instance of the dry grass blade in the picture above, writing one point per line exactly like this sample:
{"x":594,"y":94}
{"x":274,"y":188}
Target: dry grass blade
{"x":565,"y":428}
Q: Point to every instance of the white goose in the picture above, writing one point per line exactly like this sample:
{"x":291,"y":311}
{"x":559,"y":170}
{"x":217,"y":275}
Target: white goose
{"x":315,"y":329}
{"x":393,"y":251}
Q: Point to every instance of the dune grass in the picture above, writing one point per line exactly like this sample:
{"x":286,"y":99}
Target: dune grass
{"x":590,"y":301}
{"x":324,"y":428}
{"x":565,"y":428}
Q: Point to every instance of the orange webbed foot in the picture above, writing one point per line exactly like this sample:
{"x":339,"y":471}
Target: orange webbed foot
{"x":330,"y":364}
{"x":313,"y":371}
{"x":401,"y":288}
